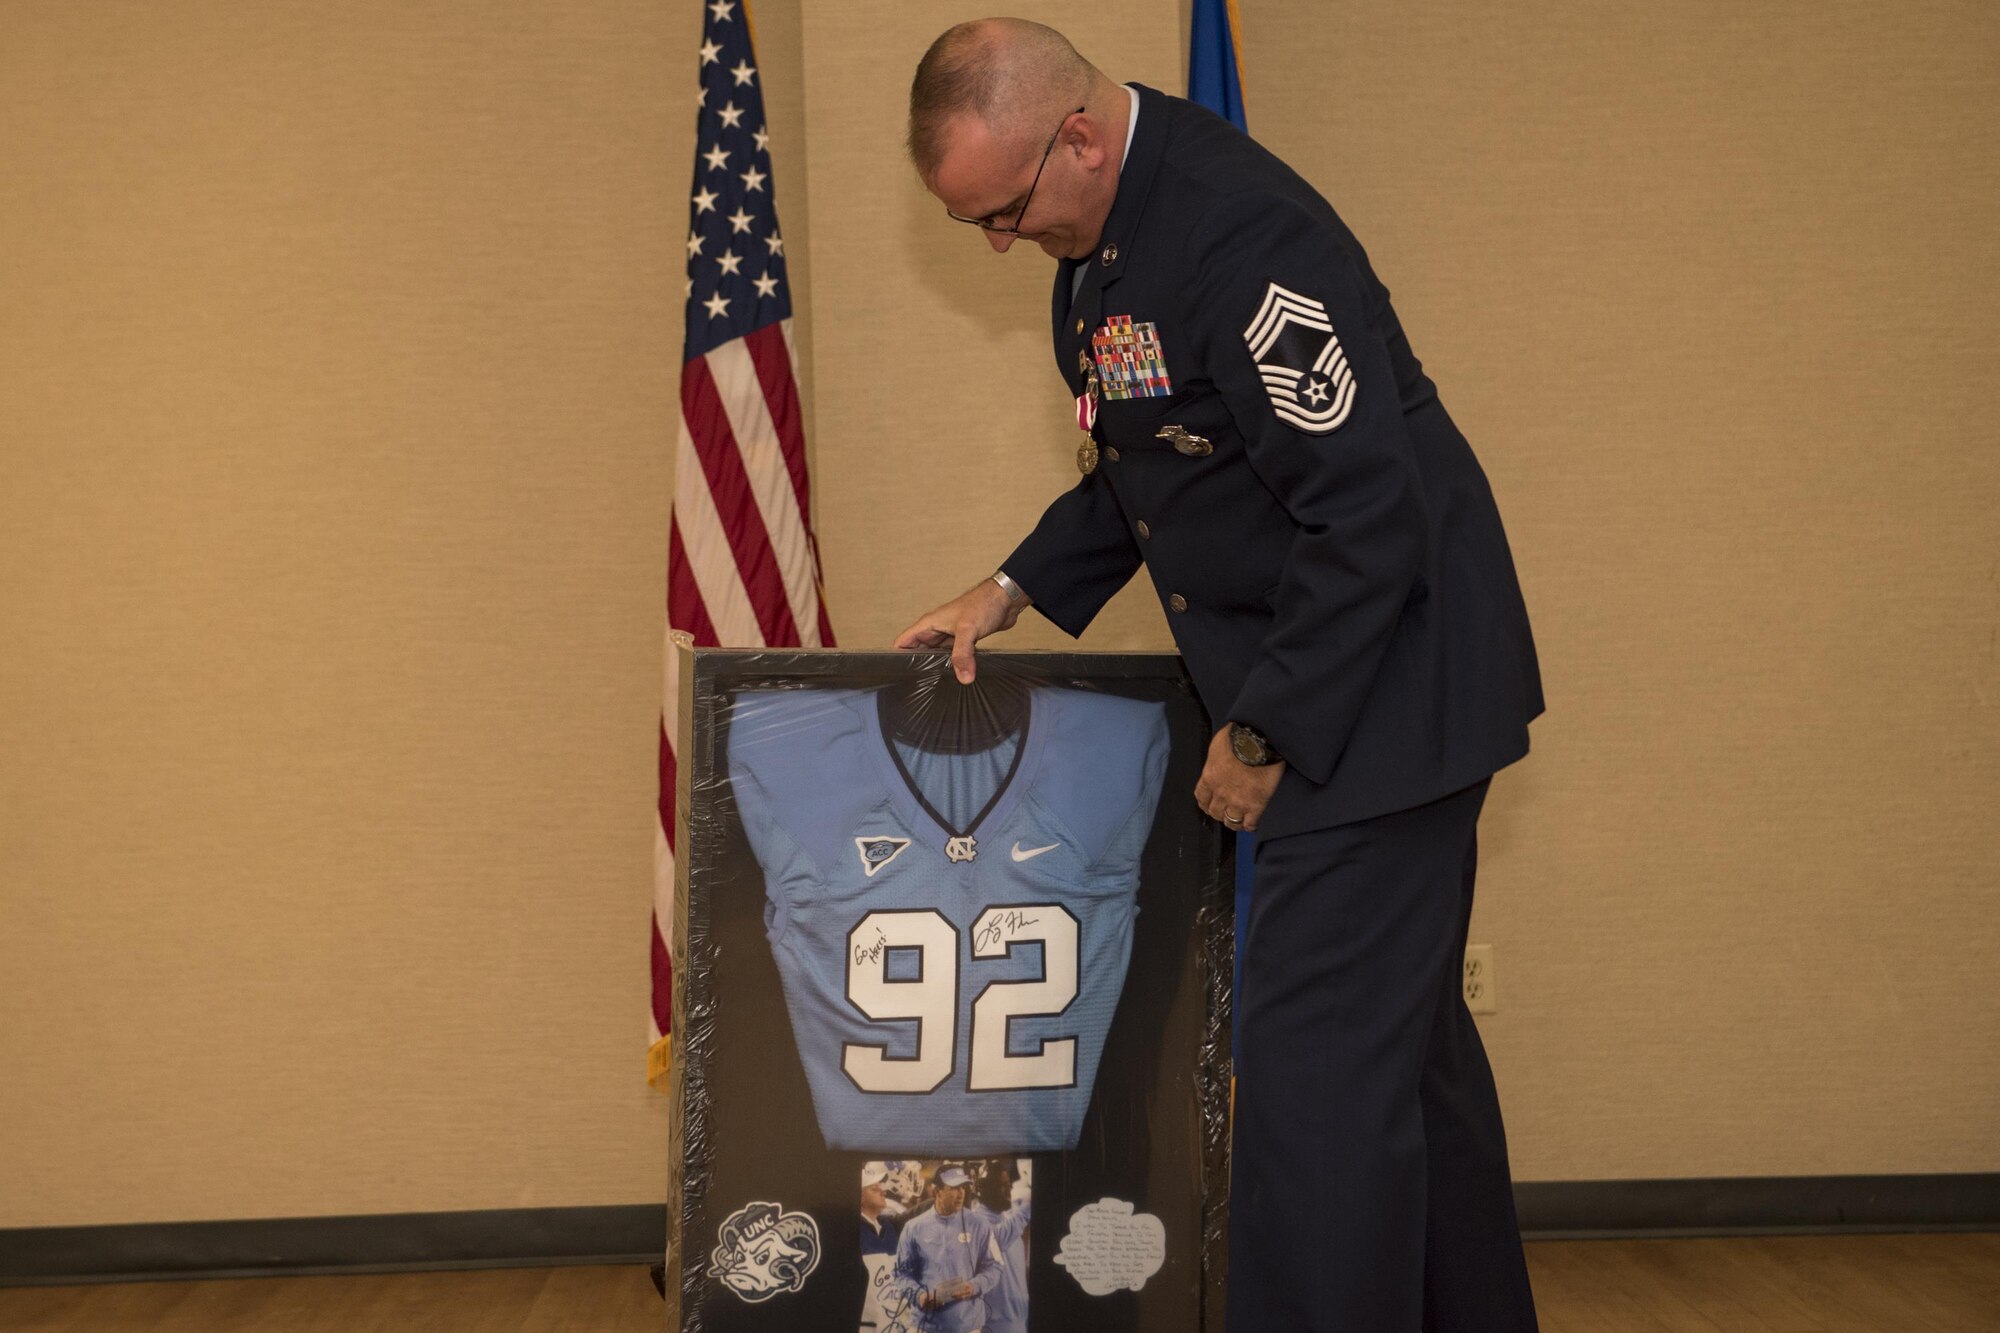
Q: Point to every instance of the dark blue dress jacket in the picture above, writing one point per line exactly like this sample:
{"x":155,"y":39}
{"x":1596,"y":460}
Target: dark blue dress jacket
{"x":1326,"y":546}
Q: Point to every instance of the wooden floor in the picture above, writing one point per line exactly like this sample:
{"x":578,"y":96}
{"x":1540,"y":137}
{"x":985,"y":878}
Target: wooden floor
{"x":1790,"y":1284}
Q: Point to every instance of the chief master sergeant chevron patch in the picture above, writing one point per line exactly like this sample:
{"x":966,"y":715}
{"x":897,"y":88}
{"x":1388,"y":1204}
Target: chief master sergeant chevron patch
{"x":1299,"y":357}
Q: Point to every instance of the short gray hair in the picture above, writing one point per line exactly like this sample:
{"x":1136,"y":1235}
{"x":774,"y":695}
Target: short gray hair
{"x":1008,"y":72}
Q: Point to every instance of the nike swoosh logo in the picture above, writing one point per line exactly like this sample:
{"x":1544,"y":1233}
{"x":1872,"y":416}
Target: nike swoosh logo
{"x":1033,"y":852}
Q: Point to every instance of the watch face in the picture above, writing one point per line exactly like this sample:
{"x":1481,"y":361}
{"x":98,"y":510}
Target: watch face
{"x":1249,"y":747}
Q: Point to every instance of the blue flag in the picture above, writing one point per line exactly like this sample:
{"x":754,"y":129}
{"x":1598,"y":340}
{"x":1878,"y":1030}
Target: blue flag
{"x":1215,"y":74}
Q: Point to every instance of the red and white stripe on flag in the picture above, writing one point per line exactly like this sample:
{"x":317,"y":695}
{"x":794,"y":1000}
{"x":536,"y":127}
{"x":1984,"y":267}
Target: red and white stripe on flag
{"x":742,"y":565}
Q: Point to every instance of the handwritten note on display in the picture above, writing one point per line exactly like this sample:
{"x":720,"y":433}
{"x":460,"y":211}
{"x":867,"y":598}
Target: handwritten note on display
{"x":1111,"y":1248}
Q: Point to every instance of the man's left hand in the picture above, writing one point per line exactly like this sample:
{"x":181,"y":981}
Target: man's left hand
{"x":1231,"y":790}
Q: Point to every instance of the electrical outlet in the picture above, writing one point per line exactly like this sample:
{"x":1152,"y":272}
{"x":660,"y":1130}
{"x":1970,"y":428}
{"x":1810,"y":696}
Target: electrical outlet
{"x":1480,"y":996}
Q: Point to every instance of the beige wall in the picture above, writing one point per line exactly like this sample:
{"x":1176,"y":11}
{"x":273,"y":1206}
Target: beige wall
{"x":337,"y":379}
{"x":337,"y":362}
{"x":1709,"y":286}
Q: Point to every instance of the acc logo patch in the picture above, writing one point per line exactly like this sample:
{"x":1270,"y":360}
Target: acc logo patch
{"x":878,"y":852}
{"x":1299,"y":358}
{"x":763,"y":1250}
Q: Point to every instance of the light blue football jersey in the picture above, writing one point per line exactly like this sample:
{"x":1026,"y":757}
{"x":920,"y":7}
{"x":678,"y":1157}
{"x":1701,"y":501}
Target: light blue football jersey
{"x":950,"y":987}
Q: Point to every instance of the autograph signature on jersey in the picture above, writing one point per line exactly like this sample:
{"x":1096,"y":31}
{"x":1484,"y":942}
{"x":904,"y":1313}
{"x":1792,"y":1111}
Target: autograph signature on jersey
{"x":1003,"y":926}
{"x":868,"y":953}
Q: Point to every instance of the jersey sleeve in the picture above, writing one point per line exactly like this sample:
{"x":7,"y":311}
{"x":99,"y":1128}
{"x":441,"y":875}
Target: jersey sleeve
{"x":781,"y":743}
{"x":1103,"y":783}
{"x":1312,"y":391}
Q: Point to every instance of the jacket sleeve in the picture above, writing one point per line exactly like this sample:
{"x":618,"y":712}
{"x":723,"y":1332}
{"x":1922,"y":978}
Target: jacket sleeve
{"x":909,"y":1258}
{"x":906,"y":1279}
{"x":1313,"y":393}
{"x":1080,"y":554}
{"x":1008,"y":1226}
{"x":986,"y":1274}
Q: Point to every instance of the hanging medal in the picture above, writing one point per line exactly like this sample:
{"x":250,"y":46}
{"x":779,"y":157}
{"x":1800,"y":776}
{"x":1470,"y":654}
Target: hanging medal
{"x":1086,"y":416}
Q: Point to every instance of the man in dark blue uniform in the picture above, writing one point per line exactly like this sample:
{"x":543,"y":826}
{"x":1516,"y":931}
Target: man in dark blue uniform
{"x":1261,"y":438}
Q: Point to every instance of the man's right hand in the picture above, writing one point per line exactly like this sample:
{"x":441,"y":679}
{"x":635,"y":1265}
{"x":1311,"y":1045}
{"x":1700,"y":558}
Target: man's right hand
{"x":979,"y":611}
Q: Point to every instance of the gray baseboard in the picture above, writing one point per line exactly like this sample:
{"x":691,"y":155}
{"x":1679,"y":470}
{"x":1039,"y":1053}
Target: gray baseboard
{"x":373,"y":1243}
{"x":1762,"y":1205}
{"x":635,"y":1234}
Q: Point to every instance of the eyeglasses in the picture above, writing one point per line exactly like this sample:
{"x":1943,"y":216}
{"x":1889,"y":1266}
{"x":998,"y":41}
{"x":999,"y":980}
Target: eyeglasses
{"x":986,"y":223}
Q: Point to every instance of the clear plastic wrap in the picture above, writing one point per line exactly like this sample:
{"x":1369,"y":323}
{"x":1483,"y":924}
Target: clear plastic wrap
{"x":951,"y":1026}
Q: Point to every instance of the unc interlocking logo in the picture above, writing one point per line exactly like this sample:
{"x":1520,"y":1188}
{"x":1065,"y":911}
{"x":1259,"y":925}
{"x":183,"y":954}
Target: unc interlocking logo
{"x":960,"y":849}
{"x":763,"y":1250}
{"x":1303,"y":368}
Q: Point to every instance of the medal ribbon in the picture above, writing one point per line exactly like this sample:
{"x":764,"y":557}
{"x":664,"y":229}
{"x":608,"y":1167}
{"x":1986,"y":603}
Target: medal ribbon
{"x":1086,"y":402}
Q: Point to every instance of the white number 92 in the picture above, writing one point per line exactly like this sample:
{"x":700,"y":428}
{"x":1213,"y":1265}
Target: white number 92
{"x":930,"y":998}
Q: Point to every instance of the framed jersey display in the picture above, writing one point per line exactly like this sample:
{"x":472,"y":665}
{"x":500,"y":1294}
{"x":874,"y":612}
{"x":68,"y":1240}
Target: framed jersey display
{"x":951,"y":964}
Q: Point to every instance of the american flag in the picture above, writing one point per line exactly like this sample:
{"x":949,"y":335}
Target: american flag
{"x":742,"y":566}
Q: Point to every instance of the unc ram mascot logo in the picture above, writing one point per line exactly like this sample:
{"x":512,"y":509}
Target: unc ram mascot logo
{"x":764,"y":1250}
